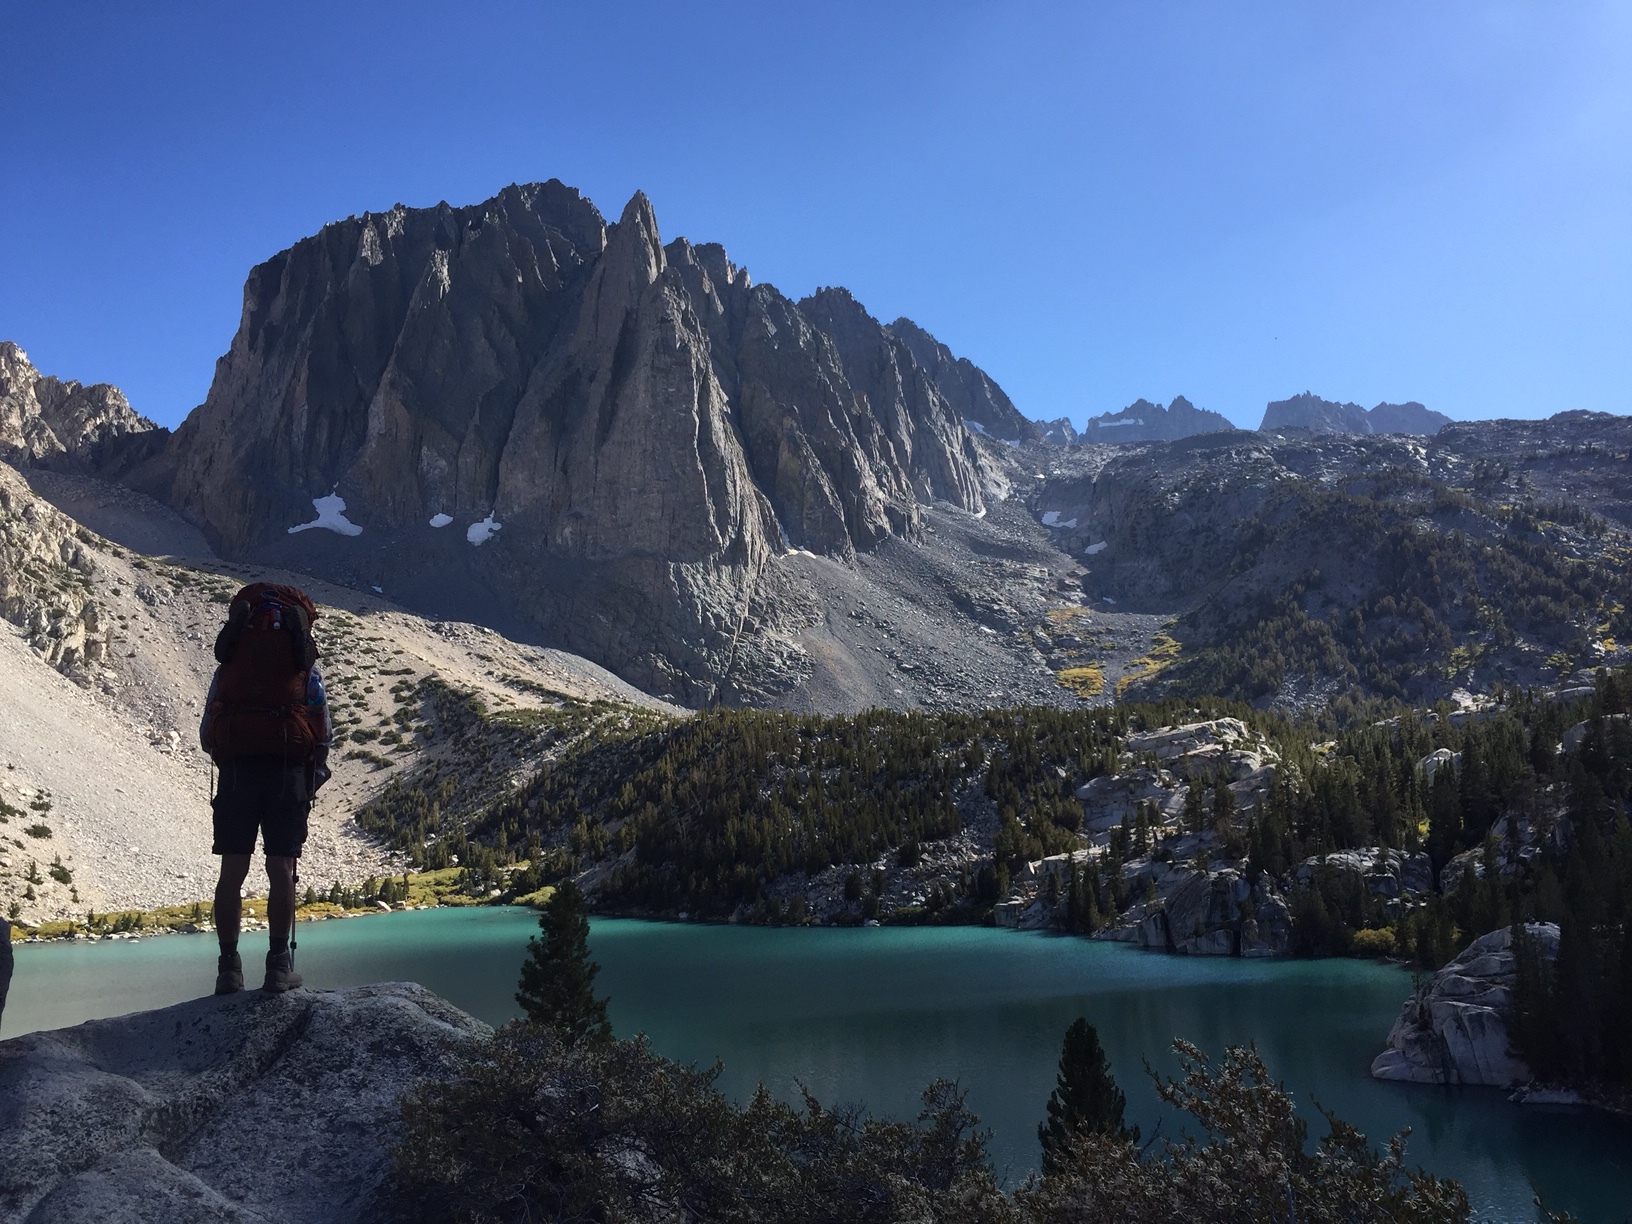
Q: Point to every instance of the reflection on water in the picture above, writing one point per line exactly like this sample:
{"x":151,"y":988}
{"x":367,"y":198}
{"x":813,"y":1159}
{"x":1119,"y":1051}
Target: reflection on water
{"x":874,"y":1015}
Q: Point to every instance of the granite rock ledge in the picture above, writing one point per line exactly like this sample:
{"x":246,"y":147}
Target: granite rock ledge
{"x":244,"y":1108}
{"x":1455,"y":1030}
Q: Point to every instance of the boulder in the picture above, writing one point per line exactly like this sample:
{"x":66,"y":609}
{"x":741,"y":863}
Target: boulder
{"x":1268,"y":930}
{"x":1573,"y":737}
{"x":1200,"y":912}
{"x":1392,"y":874}
{"x":1454,"y":1031}
{"x":248,"y":1107}
{"x":1430,"y":764}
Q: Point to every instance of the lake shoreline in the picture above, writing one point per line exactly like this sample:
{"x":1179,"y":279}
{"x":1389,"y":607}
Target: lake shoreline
{"x":873,"y":1018}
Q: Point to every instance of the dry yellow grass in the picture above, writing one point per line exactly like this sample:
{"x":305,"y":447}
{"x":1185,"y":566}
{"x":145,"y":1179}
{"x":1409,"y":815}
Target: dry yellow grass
{"x":1083,"y":681}
{"x":1068,"y":615}
{"x":1163,"y":650}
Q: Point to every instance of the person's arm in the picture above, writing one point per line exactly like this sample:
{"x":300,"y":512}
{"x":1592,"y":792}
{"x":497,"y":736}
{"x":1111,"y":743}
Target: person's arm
{"x":317,"y":702}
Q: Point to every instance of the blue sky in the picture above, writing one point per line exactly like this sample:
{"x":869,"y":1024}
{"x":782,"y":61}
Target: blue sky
{"x":1093,"y":201}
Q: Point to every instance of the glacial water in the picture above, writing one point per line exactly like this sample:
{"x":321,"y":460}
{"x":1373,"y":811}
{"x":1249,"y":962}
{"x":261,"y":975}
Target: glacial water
{"x":874,"y":1015}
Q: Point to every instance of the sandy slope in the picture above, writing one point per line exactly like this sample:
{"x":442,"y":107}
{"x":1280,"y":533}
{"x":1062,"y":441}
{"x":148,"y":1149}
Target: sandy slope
{"x":116,"y":756}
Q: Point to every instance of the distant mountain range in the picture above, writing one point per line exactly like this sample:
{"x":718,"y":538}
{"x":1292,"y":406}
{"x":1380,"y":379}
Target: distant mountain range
{"x":1309,"y":411}
{"x":1143,"y":421}
{"x":520,"y":414}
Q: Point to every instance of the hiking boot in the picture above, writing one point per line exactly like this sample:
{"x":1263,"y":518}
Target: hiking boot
{"x":280,"y":973}
{"x":229,"y":974}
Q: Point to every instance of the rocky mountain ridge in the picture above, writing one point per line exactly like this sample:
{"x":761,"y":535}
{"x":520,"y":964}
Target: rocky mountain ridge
{"x":1143,"y":421}
{"x":1309,"y":411}
{"x":521,"y":415}
{"x":648,"y":427}
{"x":46,"y":422}
{"x":1300,"y":566}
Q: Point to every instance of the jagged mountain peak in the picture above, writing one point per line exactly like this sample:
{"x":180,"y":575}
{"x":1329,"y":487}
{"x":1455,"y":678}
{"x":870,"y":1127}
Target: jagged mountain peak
{"x":1143,"y":421}
{"x":616,"y":423}
{"x":972,"y":392}
{"x":1309,"y":411}
{"x":55,"y":423}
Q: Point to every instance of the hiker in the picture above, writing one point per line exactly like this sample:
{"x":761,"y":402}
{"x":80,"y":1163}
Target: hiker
{"x":266,"y":725}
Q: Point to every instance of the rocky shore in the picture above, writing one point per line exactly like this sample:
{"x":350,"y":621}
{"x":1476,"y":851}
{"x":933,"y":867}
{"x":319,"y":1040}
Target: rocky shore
{"x":1454,"y":1029}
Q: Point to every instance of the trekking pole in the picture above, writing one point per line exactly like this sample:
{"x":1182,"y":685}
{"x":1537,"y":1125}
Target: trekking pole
{"x":294,"y":900}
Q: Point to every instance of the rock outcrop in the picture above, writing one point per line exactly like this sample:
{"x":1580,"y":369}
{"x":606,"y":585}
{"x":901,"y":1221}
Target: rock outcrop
{"x":1395,"y":876}
{"x":248,"y":1108}
{"x":67,"y":426}
{"x":1059,"y":431}
{"x":1143,"y":421}
{"x":45,"y":569}
{"x":1454,"y":1031}
{"x":968,"y":388}
{"x":648,"y":428}
{"x":1309,"y":411}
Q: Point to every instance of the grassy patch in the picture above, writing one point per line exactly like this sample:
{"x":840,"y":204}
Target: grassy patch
{"x":1163,"y":651}
{"x":1069,"y":616}
{"x":1083,"y":681}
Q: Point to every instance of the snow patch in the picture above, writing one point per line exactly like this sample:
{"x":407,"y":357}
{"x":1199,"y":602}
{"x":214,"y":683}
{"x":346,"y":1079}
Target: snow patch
{"x":379,"y":590}
{"x":977,"y":427}
{"x":441,"y":520}
{"x":480,"y":533}
{"x":1051,"y":518}
{"x":1093,"y":550}
{"x":1107,"y":599}
{"x":330,"y":516}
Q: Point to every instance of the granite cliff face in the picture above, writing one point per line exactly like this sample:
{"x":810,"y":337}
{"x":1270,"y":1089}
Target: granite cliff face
{"x":648,"y":428}
{"x":968,"y":388}
{"x":1309,"y":411}
{"x":46,"y":422}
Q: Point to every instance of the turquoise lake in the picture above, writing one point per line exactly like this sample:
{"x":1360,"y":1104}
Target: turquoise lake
{"x":873,"y":1015}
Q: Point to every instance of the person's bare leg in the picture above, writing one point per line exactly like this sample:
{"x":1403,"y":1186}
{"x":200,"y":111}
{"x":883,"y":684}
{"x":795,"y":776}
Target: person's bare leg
{"x":280,"y":922}
{"x":280,"y":900}
{"x":229,"y":971}
{"x":228,"y":899}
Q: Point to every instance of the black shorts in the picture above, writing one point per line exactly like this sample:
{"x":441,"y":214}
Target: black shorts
{"x":266,"y":794}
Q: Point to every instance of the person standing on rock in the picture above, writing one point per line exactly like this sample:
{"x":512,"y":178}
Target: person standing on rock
{"x":266,"y":725}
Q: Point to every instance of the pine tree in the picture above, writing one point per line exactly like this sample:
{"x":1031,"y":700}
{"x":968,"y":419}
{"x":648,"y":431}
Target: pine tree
{"x":1195,"y":807}
{"x":1086,"y":1099}
{"x":1223,"y":806}
{"x":557,"y":978}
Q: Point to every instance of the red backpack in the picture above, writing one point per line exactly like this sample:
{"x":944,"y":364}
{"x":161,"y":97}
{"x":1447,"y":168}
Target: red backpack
{"x":266,"y":654}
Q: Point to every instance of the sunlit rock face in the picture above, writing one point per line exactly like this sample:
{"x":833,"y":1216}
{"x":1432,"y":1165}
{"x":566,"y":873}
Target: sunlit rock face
{"x":649,"y":428}
{"x":52,"y":423}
